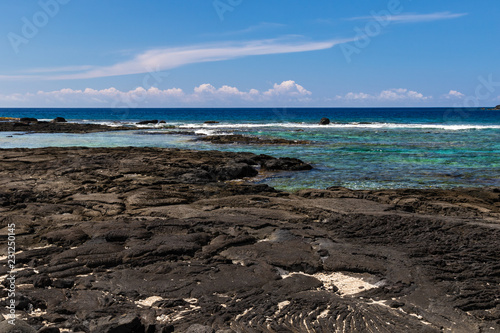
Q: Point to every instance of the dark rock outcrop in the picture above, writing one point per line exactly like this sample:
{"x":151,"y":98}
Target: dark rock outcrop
{"x":57,"y":127}
{"x":211,"y":122}
{"x":324,"y":121}
{"x":155,"y":240}
{"x":147,"y":122}
{"x":28,"y":120}
{"x":58,"y":120}
{"x":243,"y":139}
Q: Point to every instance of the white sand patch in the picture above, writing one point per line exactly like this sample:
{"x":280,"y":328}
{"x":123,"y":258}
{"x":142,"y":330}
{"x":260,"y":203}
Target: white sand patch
{"x":347,"y":284}
{"x":173,"y":317}
{"x":238,"y":262}
{"x":38,"y":313}
{"x":381,"y":303}
{"x":42,"y":247}
{"x":282,"y":305}
{"x":148,"y":302}
{"x":324,"y":313}
{"x":163,"y":318}
{"x":190,"y":300}
{"x":84,"y":275}
{"x":243,"y":314}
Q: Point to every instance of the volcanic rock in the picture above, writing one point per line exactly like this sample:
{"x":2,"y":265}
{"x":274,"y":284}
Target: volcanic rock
{"x":324,"y":121}
{"x":20,"y":327}
{"x":242,"y":139}
{"x":60,"y":127}
{"x":285,"y":163}
{"x":147,"y":122}
{"x":28,"y":120}
{"x":158,"y":240}
{"x":58,"y":120}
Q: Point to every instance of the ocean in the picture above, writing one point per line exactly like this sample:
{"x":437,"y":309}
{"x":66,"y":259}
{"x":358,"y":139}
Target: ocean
{"x":362,"y":148}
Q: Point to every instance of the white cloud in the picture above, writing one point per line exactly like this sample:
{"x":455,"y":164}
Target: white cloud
{"x":167,"y":58}
{"x":204,"y":94}
{"x":413,"y":18}
{"x":289,"y":88}
{"x":453,"y":94}
{"x":400,"y":94}
{"x":354,"y":96}
{"x":390,"y":95}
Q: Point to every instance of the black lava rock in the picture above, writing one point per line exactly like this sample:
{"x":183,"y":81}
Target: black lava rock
{"x":59,"y":120}
{"x":324,"y":121}
{"x":28,"y":120}
{"x":285,"y":164}
{"x":147,"y":122}
{"x":42,"y":281}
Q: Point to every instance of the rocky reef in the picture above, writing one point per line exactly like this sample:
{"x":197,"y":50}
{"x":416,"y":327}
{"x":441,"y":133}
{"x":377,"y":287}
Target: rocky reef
{"x":164,"y":240}
{"x":58,"y":125}
{"x":245,"y":139}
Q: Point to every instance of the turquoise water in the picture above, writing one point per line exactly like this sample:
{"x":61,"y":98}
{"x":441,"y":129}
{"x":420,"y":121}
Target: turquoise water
{"x":361,"y":149}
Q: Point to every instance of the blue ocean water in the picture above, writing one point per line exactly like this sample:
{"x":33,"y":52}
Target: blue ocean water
{"x":363,"y":148}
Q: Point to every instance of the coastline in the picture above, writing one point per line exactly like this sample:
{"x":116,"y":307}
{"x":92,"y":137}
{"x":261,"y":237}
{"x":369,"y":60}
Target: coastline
{"x":57,"y":127}
{"x":165,"y":237}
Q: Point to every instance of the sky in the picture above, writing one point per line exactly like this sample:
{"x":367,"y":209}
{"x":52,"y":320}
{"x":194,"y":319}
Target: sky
{"x":242,"y":53}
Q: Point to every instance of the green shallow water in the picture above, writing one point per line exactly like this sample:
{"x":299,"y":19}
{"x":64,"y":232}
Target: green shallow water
{"x":361,"y":149}
{"x":353,"y":158}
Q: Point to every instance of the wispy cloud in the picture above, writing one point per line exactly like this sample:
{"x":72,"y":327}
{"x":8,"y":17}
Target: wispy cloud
{"x":254,"y":28}
{"x":169,"y":58}
{"x":413,"y":17}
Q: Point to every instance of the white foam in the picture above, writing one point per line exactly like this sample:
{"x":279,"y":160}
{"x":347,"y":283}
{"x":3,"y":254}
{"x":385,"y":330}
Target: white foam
{"x":302,"y":125}
{"x":205,"y":132}
{"x":450,"y":127}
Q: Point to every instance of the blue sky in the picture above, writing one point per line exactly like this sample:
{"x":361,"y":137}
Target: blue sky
{"x":162,"y":53}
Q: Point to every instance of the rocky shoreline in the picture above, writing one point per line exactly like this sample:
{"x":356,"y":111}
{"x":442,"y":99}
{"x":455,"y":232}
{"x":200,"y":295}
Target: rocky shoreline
{"x":57,"y":127}
{"x":161,"y":240}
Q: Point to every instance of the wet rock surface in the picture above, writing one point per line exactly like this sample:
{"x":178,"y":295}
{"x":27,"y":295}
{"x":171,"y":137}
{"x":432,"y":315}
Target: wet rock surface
{"x":157,"y":240}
